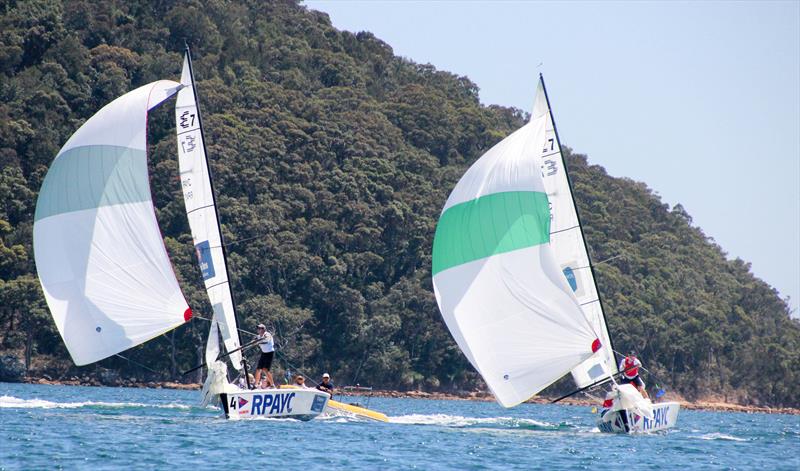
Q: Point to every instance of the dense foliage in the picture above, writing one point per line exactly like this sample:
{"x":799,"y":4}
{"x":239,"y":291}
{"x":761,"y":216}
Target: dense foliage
{"x":332,"y":159}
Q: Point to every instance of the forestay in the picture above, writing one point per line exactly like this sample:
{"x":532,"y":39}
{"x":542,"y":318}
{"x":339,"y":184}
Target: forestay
{"x":201,"y":210}
{"x":500,"y":290}
{"x":566,"y":239}
{"x":99,"y":252}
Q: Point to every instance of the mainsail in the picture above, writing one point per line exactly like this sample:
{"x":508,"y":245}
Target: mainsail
{"x":201,"y":209}
{"x":99,"y":253}
{"x":497,"y":282}
{"x":566,"y":239}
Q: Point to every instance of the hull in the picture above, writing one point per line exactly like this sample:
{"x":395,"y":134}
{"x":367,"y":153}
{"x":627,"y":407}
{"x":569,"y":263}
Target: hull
{"x":665,"y":415}
{"x":339,"y":408}
{"x":301,"y":404}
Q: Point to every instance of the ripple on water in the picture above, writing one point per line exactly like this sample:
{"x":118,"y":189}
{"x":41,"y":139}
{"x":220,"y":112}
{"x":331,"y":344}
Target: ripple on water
{"x":45,"y":427}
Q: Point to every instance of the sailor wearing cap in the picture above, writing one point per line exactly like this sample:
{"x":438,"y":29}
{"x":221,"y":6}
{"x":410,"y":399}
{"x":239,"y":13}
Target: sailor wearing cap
{"x":267,"y":345}
{"x":326,"y":385}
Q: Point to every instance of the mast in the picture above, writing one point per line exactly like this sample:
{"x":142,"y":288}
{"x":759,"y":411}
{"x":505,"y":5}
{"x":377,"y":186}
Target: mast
{"x":216,"y":210}
{"x":580,"y":224}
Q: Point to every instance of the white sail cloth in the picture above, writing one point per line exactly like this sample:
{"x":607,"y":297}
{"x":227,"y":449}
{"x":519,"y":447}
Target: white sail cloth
{"x":498,"y":286}
{"x":99,"y":252}
{"x":627,"y":397}
{"x":202,"y":213}
{"x":566,"y":240}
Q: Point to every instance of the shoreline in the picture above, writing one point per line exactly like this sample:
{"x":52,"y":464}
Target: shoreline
{"x":706,"y":405}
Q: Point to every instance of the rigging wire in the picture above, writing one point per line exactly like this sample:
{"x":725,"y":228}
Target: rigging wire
{"x":277,"y":352}
{"x":138,"y":364}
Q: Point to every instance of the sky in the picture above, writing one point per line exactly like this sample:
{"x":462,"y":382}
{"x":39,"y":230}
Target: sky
{"x":699,"y":100}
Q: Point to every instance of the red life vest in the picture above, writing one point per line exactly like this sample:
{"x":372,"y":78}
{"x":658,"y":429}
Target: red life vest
{"x":630,"y":366}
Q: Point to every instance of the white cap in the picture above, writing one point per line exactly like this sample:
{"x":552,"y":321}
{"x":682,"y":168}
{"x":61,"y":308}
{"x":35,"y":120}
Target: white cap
{"x":326,"y":375}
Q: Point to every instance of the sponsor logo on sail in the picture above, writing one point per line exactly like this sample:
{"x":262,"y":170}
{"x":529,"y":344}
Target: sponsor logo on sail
{"x":570,"y":275}
{"x":203,"y":250}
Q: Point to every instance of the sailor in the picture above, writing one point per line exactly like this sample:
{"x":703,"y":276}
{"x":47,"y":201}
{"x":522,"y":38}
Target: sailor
{"x":326,"y":385}
{"x":629,"y":366}
{"x":267,"y":345}
{"x":242,"y":383}
{"x":608,"y":403}
{"x":300,"y":382}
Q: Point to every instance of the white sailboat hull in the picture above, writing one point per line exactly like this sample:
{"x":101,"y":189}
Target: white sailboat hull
{"x":301,"y":404}
{"x":665,"y":415}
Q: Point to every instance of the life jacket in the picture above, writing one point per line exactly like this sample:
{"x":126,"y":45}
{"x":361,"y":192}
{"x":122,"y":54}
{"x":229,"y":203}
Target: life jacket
{"x":630,"y":366}
{"x":609,"y":401}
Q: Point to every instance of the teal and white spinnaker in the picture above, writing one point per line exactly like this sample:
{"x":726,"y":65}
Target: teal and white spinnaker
{"x":99,"y":253}
{"x":499,"y":288}
{"x":566,"y":239}
{"x":201,"y":210}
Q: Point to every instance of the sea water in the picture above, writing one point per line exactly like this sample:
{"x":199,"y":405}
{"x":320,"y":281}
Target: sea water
{"x":73,"y":427}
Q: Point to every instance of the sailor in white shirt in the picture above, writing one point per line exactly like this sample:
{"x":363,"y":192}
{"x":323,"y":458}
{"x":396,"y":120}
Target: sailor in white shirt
{"x":267,"y":345}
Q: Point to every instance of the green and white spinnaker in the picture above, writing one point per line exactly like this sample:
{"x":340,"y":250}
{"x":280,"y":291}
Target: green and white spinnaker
{"x":498,"y":284}
{"x":98,"y":249}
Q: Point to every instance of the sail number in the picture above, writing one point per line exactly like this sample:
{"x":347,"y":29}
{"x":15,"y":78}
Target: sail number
{"x":549,"y":167}
{"x":187,"y":119}
{"x":188,"y":143}
{"x":187,"y":188}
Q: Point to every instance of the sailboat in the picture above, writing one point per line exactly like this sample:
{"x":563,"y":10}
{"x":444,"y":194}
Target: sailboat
{"x":513,"y":278}
{"x":101,"y":259}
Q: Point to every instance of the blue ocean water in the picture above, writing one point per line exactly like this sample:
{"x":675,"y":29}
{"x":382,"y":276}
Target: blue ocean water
{"x":73,"y":427}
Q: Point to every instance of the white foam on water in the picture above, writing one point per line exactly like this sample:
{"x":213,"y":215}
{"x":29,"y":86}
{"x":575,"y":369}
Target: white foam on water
{"x":721,"y":436}
{"x":460,"y":421}
{"x":12,"y":402}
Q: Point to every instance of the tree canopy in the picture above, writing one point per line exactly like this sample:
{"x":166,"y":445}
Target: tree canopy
{"x":332,"y":158}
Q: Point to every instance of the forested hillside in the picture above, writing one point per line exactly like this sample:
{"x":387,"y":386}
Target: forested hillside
{"x":332,"y":158}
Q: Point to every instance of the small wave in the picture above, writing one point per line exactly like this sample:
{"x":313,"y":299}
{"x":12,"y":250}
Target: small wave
{"x":11,"y":402}
{"x":721,"y":436}
{"x":460,"y":421}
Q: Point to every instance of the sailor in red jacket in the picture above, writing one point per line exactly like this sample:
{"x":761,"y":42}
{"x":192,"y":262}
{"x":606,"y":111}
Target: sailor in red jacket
{"x":629,"y":367}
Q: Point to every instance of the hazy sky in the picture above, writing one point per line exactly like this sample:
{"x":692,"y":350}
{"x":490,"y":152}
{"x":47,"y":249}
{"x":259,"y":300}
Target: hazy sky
{"x":700,"y":100}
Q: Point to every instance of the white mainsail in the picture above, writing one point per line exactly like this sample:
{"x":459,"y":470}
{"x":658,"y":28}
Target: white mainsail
{"x":99,"y":253}
{"x":201,"y":209}
{"x":499,"y":288}
{"x":566,"y":239}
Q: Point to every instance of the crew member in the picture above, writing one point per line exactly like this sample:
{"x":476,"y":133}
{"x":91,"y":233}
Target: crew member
{"x":267,"y":345}
{"x":629,"y":366}
{"x":300,"y":382}
{"x":326,"y":385}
